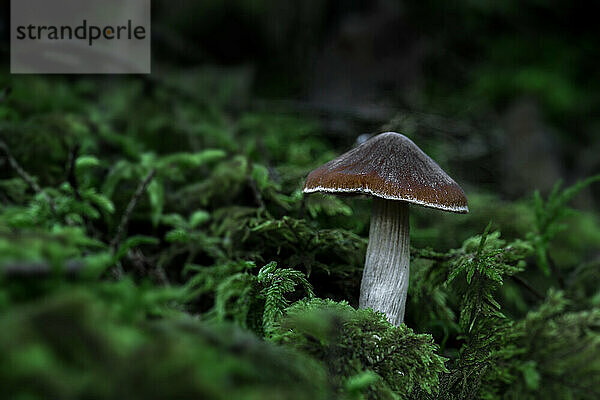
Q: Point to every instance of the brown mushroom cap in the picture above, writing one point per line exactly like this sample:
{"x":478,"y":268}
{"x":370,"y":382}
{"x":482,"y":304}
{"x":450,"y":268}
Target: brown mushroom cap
{"x":392,"y":167}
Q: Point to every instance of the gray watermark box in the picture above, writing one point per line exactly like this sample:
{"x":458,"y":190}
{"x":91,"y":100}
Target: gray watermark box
{"x":80,"y":37}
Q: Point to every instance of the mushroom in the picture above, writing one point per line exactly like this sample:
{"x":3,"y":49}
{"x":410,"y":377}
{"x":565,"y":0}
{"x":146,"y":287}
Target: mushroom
{"x":395,"y":172}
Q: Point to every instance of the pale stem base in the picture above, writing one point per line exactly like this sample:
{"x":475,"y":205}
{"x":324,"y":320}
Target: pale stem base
{"x":385,"y":278}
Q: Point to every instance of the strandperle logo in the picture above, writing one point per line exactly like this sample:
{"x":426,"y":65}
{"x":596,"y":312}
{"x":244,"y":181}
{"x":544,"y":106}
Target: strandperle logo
{"x":89,"y":33}
{"x":80,"y":36}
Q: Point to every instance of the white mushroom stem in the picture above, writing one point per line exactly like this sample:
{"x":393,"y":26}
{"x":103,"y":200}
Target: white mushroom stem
{"x":385,"y":278}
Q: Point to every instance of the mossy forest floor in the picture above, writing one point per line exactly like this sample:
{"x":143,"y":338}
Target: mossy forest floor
{"x":155,"y":244}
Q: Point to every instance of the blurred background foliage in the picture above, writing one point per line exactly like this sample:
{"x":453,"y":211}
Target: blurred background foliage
{"x":155,"y":242}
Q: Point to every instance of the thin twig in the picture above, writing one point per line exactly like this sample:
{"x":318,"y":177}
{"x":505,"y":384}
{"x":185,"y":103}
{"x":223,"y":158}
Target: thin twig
{"x":145,"y":267}
{"x":25,"y":176}
{"x":429,"y":254}
{"x":528,"y":286}
{"x":18,"y":169}
{"x":130,"y":207}
{"x":71,"y":175}
{"x":257,"y":195}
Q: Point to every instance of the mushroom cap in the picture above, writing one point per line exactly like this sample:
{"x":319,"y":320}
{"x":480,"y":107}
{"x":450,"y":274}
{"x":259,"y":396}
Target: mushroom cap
{"x":392,"y":167}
